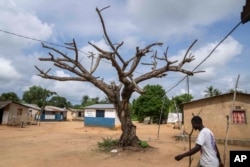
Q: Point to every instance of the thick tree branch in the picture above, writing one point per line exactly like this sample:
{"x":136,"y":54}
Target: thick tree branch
{"x":107,"y":55}
{"x":160,"y":72}
{"x":106,"y":34}
{"x":137,"y":58}
{"x":190,"y":58}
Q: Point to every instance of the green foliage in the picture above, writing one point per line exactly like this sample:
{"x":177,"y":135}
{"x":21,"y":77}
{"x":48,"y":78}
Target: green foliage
{"x":178,"y":100}
{"x":37,"y":95}
{"x":59,"y":101}
{"x":211,"y":91}
{"x":143,"y":144}
{"x":10,"y":96}
{"x":232,"y":91}
{"x":154,"y":100}
{"x":87,"y":101}
{"x":107,"y":144}
{"x":150,"y":103}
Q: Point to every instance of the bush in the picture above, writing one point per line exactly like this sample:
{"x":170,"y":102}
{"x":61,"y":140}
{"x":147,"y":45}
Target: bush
{"x":143,"y":144}
{"x":107,"y":144}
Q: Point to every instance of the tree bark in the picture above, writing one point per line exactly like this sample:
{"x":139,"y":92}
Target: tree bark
{"x":128,"y":136}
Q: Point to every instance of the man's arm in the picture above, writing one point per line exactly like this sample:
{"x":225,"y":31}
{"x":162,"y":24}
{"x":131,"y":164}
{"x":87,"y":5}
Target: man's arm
{"x":188,"y":153}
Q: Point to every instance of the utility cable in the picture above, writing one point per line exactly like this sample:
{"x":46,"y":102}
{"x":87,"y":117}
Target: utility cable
{"x":211,"y":52}
{"x":34,"y":39}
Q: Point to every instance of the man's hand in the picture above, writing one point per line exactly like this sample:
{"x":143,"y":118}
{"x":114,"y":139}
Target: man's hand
{"x":221,"y":165}
{"x":178,"y":157}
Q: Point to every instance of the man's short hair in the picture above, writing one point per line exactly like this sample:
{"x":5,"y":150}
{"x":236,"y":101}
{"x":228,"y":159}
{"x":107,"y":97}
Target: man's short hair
{"x":197,"y":119}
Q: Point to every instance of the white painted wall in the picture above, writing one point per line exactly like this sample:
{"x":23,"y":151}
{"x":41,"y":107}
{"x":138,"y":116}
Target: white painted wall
{"x":5,"y":117}
{"x":90,"y":113}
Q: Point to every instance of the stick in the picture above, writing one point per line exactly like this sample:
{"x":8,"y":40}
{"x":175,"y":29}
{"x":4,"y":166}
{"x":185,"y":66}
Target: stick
{"x":225,"y":147}
{"x":232,"y":108}
{"x":189,"y":138}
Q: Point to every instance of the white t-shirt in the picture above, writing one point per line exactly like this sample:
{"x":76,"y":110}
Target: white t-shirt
{"x":208,"y":150}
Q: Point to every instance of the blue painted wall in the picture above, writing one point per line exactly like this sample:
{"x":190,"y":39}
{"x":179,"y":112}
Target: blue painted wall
{"x":58,"y":117}
{"x":99,"y":121}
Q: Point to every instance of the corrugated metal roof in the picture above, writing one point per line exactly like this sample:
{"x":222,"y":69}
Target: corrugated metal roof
{"x":4,"y":103}
{"x":32,"y":106}
{"x":100,"y":106}
{"x":53,"y":108}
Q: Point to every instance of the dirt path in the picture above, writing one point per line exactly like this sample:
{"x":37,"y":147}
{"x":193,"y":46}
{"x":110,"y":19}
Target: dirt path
{"x":67,"y":144}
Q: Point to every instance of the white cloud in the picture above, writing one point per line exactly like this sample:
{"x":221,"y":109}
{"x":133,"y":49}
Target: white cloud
{"x":137,"y":23}
{"x":104,"y":66}
{"x":9,"y":76}
{"x":21,"y":23}
{"x":224,"y":53}
{"x":72,"y":90}
{"x":177,"y":18}
{"x":7,"y":72}
{"x":213,"y":63}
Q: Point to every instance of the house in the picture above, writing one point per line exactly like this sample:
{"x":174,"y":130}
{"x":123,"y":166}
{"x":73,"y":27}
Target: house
{"x":12,"y":113}
{"x":245,"y":17}
{"x":214,"y":111}
{"x":103,"y":115}
{"x":33,"y":110}
{"x":52,"y":113}
{"x":76,"y":114}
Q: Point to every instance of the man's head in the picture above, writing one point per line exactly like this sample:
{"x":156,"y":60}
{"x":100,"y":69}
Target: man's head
{"x":197,"y":123}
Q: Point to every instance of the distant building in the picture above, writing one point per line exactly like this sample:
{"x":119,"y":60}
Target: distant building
{"x":102,"y":115}
{"x":214,"y":111}
{"x":12,"y":113}
{"x":75,"y":114}
{"x":33,"y":111}
{"x":52,"y":113}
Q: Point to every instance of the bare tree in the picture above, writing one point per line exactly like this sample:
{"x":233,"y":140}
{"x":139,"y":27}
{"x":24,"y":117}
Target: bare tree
{"x":118,"y":93}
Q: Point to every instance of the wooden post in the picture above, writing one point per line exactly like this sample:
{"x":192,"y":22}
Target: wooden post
{"x":228,"y":120}
{"x":189,"y":138}
{"x":159,"y":125}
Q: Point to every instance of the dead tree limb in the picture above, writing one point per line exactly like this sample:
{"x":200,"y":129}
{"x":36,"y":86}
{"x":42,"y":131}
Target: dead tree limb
{"x":127,"y":83}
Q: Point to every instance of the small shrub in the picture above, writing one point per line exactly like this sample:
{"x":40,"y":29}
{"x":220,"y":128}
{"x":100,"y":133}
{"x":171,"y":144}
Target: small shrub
{"x":107,"y":144}
{"x":143,"y":144}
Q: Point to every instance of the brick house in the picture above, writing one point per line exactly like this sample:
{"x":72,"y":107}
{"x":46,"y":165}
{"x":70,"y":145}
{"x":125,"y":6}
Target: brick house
{"x":12,"y":113}
{"x":214,"y":111}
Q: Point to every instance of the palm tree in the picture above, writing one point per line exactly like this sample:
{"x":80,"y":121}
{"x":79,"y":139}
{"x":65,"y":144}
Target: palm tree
{"x":232,"y":91}
{"x":211,"y":91}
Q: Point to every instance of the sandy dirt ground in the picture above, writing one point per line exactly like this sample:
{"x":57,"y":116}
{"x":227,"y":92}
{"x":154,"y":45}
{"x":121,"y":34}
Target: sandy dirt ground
{"x":70,"y":144}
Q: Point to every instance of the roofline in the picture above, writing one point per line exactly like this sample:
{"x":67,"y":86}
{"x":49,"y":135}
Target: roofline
{"x":10,"y":101}
{"x":205,"y":98}
{"x":93,"y":106}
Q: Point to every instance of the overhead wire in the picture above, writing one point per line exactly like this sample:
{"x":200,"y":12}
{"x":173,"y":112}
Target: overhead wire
{"x":51,"y":43}
{"x":242,"y":21}
{"x":211,"y":52}
{"x":58,"y":45}
{"x":38,"y":40}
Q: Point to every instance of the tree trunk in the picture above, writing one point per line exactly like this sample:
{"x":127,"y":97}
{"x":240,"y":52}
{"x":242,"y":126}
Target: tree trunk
{"x":128,"y":136}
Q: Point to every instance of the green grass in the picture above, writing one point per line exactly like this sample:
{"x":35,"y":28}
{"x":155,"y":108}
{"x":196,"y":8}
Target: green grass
{"x":107,"y":144}
{"x":143,"y":144}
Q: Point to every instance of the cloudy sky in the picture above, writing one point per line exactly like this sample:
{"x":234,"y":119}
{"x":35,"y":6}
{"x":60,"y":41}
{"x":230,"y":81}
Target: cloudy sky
{"x":136,"y":22}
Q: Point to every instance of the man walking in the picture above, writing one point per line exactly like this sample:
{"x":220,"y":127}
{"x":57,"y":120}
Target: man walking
{"x":205,"y":143}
